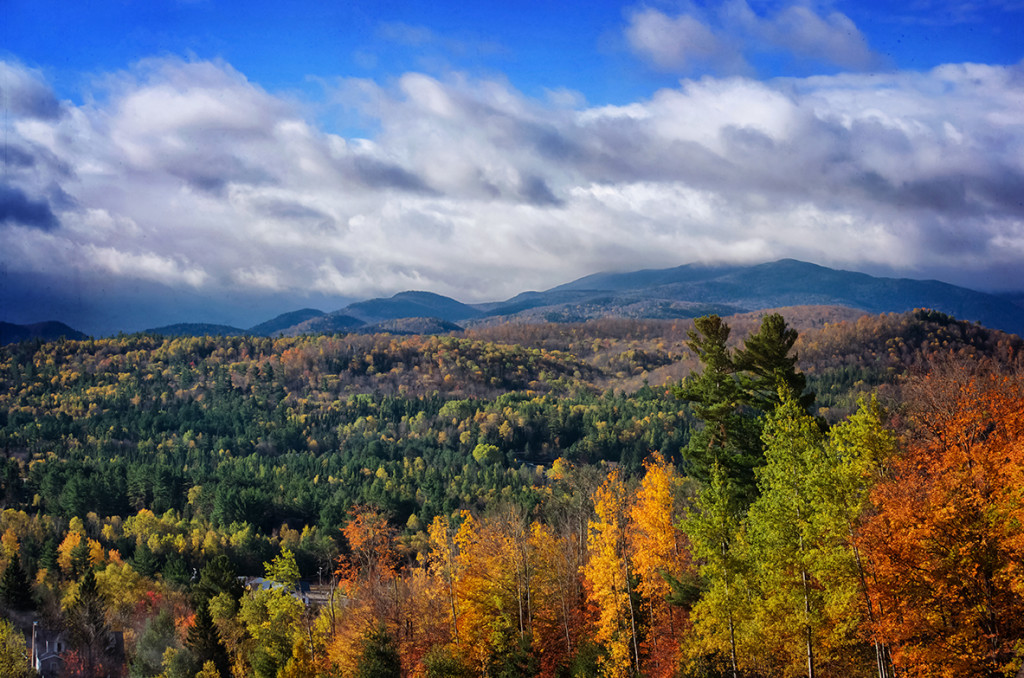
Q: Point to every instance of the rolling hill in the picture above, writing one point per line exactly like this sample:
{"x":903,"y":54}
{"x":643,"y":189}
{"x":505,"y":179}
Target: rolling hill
{"x":11,"y":333}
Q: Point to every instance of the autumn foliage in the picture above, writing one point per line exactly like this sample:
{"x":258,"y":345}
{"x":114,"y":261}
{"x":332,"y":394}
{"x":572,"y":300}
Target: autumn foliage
{"x":947,"y":541}
{"x":511,"y":519}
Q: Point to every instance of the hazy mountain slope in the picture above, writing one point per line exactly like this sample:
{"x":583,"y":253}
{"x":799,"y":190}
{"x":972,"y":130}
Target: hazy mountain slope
{"x":284,"y":321}
{"x":648,"y":278}
{"x":197,"y":330}
{"x":669,"y":294}
{"x":330,"y":323}
{"x":411,"y":305}
{"x":52,"y":330}
{"x":690,"y":290}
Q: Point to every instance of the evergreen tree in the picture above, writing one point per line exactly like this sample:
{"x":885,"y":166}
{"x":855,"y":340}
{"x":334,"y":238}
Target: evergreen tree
{"x":175,"y":571}
{"x":80,"y":558}
{"x":15,"y":590}
{"x":144,"y":561}
{"x":732,"y":392}
{"x":729,"y":437}
{"x":157,"y":636}
{"x":87,"y":626}
{"x":205,"y":642}
{"x":219,"y":576}
{"x":48,"y":556}
{"x":441,"y":663}
{"x":379,"y":658}
{"x":766,"y":366}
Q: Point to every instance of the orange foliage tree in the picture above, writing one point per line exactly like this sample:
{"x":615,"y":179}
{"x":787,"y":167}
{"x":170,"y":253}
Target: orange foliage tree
{"x":659,"y":552}
{"x":947,"y":541}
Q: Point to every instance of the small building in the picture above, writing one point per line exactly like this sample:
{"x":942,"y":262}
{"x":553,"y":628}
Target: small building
{"x":48,"y":648}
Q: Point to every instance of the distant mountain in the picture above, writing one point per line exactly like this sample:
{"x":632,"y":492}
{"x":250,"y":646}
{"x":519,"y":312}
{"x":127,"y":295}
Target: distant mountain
{"x":329,"y":323}
{"x":695,"y":289}
{"x":52,"y":330}
{"x":411,"y":305}
{"x":648,"y":278}
{"x":197,"y":330}
{"x":1016,"y":298}
{"x":672,"y":293}
{"x":284,"y":321}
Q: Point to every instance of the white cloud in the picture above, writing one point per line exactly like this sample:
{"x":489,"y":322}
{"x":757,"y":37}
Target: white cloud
{"x":23,"y":92}
{"x":678,"y":43}
{"x":188,"y":175}
{"x":722,"y":39}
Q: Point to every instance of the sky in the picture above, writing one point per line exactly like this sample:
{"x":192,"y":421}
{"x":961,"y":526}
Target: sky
{"x":209,"y":161}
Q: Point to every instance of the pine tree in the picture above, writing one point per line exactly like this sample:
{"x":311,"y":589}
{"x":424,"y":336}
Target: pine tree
{"x":728,"y":438}
{"x":87,"y":624}
{"x":219,"y":576}
{"x":732,"y":392}
{"x":15,"y":590}
{"x":767,"y":366}
{"x":379,"y":658}
{"x":205,"y":642}
{"x":158,"y":635}
{"x":144,"y":561}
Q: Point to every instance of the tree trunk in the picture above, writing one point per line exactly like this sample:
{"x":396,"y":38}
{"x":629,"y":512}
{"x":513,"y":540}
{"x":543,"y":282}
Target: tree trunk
{"x":807,"y":624}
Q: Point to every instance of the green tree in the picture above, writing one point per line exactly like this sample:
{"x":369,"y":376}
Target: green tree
{"x":486,"y":454}
{"x":204,"y":641}
{"x":440,"y":662}
{"x":379,"y":657}
{"x":13,"y":652}
{"x":144,"y":561}
{"x":271,"y":618}
{"x":86,"y":621}
{"x":15,"y":590}
{"x":284,"y":570}
{"x":767,"y":366}
{"x":219,"y":576}
{"x":801,"y":530}
{"x":858,"y":449}
{"x":157,"y":636}
{"x":728,"y":438}
{"x":731,"y":394}
{"x":781,"y":530}
{"x":714,"y":526}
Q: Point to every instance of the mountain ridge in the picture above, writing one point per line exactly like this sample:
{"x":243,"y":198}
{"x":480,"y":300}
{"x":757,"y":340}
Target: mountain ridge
{"x":680,"y":292}
{"x":50,"y":330}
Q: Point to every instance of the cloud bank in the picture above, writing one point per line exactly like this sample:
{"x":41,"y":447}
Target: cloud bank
{"x":185,"y":174}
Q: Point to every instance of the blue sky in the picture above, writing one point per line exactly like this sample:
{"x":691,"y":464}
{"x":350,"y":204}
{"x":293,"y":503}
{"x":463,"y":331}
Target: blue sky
{"x":167,"y":160}
{"x":536,"y":45}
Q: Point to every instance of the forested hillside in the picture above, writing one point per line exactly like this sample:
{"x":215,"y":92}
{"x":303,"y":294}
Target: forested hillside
{"x":612,"y":498}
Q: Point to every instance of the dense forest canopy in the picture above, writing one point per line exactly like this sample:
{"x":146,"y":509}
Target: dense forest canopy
{"x":657,"y":498}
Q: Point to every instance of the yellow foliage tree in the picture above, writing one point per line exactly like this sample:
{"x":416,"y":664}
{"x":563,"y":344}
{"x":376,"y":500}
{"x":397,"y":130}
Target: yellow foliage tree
{"x":609,"y":574}
{"x":658,"y":552}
